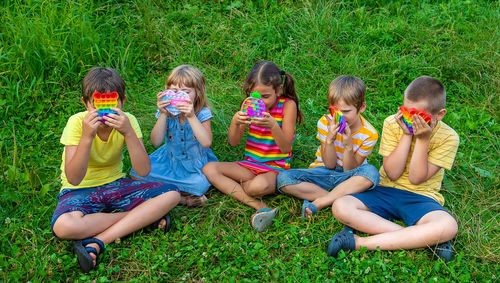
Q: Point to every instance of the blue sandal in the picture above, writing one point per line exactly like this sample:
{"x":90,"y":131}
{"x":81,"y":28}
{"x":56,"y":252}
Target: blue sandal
{"x":168,"y":223}
{"x":443,"y":251}
{"x":83,"y":253}
{"x":263,"y":218}
{"x":311,"y":206}
{"x":344,"y":240}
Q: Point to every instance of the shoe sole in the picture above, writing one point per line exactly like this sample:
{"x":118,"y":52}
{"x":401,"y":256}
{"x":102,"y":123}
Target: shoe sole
{"x":263,"y":220}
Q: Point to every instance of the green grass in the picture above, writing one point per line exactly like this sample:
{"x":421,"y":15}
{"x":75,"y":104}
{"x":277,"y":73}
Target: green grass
{"x":46,"y":47}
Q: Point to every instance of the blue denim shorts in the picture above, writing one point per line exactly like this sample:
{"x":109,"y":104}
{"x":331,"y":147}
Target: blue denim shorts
{"x":121,"y":195}
{"x":326,"y":178}
{"x":395,"y":204}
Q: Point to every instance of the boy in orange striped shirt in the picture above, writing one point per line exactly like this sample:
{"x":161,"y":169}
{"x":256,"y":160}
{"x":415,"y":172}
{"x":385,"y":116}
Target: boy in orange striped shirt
{"x":340,"y":167}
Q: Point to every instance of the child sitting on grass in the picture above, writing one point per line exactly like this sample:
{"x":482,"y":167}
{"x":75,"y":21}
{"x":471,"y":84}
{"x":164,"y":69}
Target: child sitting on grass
{"x":411,"y":175}
{"x":340,"y":167}
{"x":268,"y":149}
{"x":97,"y":204}
{"x":186,"y":138}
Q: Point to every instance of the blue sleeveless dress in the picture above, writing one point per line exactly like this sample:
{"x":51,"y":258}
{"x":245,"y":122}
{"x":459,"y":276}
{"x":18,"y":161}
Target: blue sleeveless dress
{"x":180,"y":159}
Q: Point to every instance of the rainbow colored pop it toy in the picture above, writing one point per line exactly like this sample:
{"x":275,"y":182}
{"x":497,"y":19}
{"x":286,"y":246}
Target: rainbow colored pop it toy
{"x":339,"y":118}
{"x":104,"y":101}
{"x":254,"y":106}
{"x":175,"y":99}
{"x":408,"y":114}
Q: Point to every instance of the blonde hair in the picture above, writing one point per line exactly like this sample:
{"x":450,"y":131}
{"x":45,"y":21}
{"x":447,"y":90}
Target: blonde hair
{"x":190,"y":76}
{"x":350,"y":89}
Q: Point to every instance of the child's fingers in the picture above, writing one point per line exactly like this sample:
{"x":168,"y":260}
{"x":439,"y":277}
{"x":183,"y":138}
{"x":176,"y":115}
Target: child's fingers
{"x":118,"y":110}
{"x":328,"y":118}
{"x":160,"y":94}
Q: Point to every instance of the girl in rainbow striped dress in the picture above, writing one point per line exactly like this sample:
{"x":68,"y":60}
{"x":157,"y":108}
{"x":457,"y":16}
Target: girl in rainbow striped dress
{"x":268,"y":149}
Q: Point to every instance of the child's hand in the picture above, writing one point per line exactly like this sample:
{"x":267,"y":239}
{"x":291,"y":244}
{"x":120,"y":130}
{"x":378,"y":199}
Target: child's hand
{"x":90,"y":123}
{"x":346,"y":137}
{"x":119,"y":121}
{"x":267,"y":121}
{"x":241,"y":118}
{"x":186,"y":108}
{"x":333,"y":129}
{"x":421,"y":129}
{"x":402,"y":125}
{"x":162,"y":104}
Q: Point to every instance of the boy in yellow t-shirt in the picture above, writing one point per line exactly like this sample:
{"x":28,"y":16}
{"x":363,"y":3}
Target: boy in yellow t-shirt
{"x":411,"y":175}
{"x":93,"y":184}
{"x":340,"y":167}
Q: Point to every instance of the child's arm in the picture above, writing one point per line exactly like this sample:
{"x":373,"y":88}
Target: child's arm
{"x":160,"y":128}
{"x":421,"y":169}
{"x":138,"y":155}
{"x":77,"y":156}
{"x":282,"y":136}
{"x":237,"y":128}
{"x":202,"y":131}
{"x":394,"y":164}
{"x":351,"y":159}
{"x":328,"y":152}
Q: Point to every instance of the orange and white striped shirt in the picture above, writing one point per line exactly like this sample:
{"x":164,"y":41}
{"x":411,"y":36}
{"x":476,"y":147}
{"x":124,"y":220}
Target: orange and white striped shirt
{"x":363,"y":141}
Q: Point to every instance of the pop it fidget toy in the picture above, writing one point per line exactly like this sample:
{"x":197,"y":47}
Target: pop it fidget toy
{"x":104,"y":101}
{"x":175,"y":99}
{"x":408,"y":114}
{"x":339,"y":118}
{"x":254,"y":106}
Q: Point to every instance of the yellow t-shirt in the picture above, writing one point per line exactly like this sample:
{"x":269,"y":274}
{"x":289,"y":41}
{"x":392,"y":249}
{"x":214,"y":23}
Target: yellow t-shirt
{"x":363,"y":141}
{"x":443,"y":147}
{"x":105,"y":161}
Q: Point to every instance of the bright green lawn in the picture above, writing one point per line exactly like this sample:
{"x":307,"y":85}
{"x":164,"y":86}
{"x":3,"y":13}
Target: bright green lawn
{"x":46,"y":47}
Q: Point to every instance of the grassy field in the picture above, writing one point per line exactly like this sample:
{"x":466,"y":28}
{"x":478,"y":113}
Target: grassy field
{"x":46,"y":47}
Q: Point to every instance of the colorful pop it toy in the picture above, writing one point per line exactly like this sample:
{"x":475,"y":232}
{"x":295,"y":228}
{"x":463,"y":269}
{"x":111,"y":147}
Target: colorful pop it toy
{"x":254,"y":106}
{"x":339,"y":118}
{"x":408,"y":114}
{"x":175,"y":99}
{"x":104,"y":101}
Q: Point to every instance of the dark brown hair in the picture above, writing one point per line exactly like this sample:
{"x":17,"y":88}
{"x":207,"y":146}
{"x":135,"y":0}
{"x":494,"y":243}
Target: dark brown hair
{"x":429,"y":89}
{"x":103,"y":80}
{"x":267,"y":73}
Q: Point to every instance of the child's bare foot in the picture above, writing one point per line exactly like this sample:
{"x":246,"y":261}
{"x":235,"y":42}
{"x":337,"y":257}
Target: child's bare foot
{"x":193,"y":201}
{"x":308,"y":209}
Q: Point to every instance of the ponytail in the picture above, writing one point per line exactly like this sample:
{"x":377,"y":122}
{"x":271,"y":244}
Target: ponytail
{"x":289,"y":92}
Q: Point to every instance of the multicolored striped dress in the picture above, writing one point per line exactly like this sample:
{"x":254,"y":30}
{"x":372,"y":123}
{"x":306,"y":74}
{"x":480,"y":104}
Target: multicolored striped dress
{"x":262,"y":154}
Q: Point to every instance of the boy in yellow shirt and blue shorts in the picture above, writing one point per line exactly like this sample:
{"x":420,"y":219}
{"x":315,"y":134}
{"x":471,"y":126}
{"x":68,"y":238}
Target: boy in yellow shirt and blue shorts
{"x":97,"y":204}
{"x":410,"y":180}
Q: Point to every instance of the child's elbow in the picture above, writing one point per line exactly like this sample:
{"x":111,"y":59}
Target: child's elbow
{"x":415,"y":180}
{"x":144,"y":172}
{"x":73,"y":181}
{"x":206,"y":144}
{"x":286,"y":149}
{"x":156,"y":143}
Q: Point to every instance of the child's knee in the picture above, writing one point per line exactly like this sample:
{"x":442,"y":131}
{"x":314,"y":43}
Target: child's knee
{"x":258,"y":188}
{"x":209,"y":169}
{"x":371,"y":174}
{"x":67,"y":226}
{"x":340,"y":208}
{"x":450,"y":227}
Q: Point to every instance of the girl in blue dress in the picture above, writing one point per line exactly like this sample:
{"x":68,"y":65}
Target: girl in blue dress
{"x":187,"y":137}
